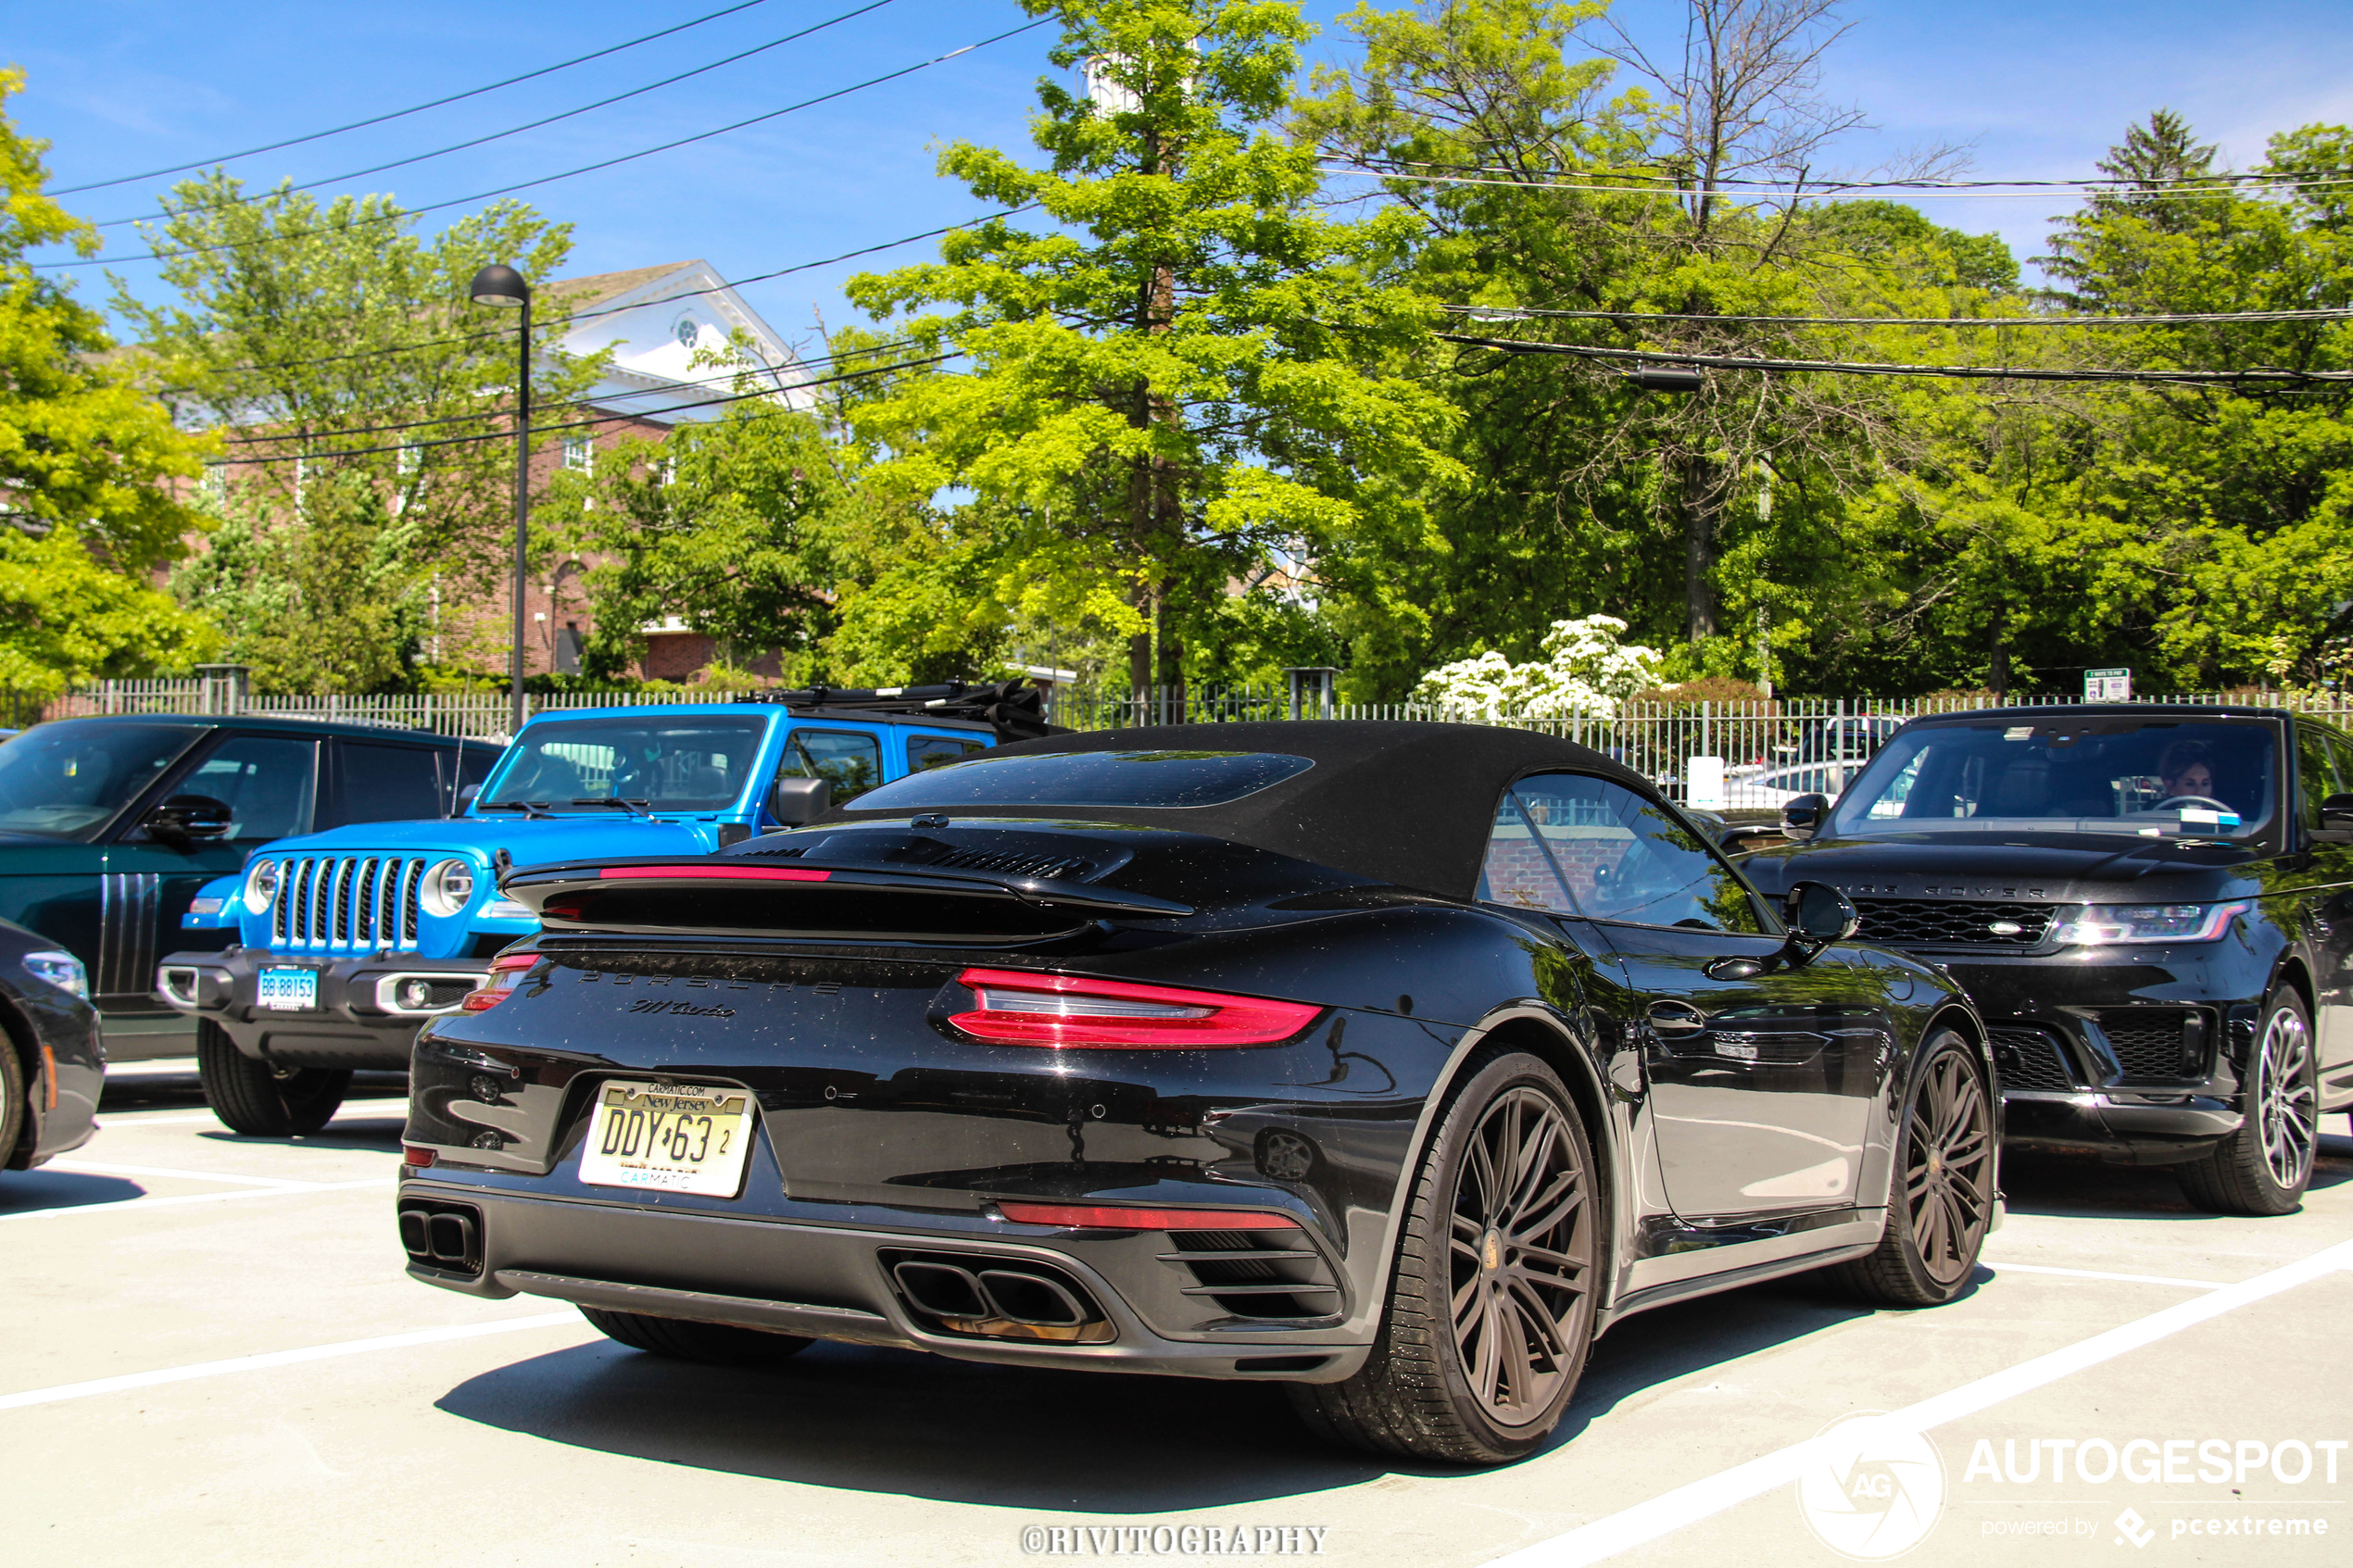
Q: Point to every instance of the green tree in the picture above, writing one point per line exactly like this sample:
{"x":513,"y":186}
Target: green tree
{"x":369,"y":405}
{"x":1195,"y":372}
{"x":91,"y":466}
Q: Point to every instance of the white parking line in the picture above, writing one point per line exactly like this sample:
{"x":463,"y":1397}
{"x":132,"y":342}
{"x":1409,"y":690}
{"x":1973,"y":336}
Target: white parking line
{"x":280,"y":1358}
{"x":2095,"y":1273}
{"x":103,"y":1167}
{"x":1669,"y":1512}
{"x":177,"y":1199}
{"x":366,"y":1109}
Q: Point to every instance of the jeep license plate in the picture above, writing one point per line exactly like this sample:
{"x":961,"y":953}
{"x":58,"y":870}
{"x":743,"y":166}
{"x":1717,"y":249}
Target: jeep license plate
{"x":669,"y":1137}
{"x":287,"y":990}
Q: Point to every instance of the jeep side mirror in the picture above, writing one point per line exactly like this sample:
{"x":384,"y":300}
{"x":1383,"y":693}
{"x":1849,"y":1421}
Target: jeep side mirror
{"x":2336,"y":813}
{"x":1803,"y":817}
{"x":796,"y":802}
{"x":186,"y":817}
{"x":1818,"y":913}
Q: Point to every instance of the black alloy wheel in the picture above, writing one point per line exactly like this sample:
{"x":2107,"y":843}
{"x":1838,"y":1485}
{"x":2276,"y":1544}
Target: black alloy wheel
{"x":1491,"y":1303}
{"x":682,"y":1339}
{"x":1941,"y":1204}
{"x":14,"y":1109}
{"x":2264,"y":1167}
{"x":259,"y":1098}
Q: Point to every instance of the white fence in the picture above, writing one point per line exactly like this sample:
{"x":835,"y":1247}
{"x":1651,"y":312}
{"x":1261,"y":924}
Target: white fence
{"x":1769,"y":749}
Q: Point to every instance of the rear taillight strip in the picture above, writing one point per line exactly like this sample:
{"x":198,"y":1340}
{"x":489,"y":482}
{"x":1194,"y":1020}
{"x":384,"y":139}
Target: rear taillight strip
{"x":1021,"y":1009}
{"x":1098,"y":1217}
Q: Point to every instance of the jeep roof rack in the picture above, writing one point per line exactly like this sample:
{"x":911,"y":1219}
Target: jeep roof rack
{"x":1014,"y":708}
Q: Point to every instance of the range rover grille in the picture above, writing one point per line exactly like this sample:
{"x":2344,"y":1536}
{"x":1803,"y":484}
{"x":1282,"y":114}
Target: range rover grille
{"x":2030,"y":1059}
{"x":346,"y":903}
{"x":1936,"y":922}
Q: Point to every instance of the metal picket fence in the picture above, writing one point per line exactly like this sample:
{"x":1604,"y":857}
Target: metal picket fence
{"x":1768,"y":749}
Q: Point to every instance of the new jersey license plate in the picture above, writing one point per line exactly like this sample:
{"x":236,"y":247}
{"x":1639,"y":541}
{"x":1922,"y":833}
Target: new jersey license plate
{"x":669,"y":1137}
{"x":287,"y":990}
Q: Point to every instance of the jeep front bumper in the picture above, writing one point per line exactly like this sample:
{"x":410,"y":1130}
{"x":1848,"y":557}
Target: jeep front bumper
{"x":366,"y":1010}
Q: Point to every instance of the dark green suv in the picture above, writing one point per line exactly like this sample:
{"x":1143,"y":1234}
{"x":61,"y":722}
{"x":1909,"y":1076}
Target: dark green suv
{"x":108,"y":827}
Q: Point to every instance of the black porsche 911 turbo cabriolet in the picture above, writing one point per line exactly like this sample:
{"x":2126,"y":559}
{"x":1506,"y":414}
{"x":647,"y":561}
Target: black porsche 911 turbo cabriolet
{"x":1390,"y":1061}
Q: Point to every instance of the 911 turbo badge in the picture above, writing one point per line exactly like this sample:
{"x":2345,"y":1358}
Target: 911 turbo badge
{"x":1112,"y":1069}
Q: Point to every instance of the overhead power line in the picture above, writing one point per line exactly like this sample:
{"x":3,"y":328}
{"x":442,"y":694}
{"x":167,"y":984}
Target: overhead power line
{"x":569,"y":173}
{"x":413,"y":109}
{"x":1825,"y":192}
{"x":574,"y":424}
{"x":536,"y":125}
{"x":1521,"y":312}
{"x":615,"y":309}
{"x":2120,"y":181}
{"x":1865,"y":368}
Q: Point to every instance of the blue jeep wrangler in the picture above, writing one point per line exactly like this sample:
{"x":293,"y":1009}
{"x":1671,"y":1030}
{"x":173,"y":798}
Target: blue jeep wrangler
{"x":347,"y":942}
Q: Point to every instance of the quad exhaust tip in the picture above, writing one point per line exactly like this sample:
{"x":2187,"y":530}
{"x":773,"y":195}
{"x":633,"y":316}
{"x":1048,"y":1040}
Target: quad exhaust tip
{"x":1000,"y":1300}
{"x":446,"y":1236}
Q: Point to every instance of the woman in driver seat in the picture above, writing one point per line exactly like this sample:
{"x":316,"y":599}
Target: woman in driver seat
{"x":2186,"y":769}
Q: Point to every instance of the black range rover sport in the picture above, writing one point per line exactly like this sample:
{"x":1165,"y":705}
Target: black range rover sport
{"x":2151,"y":905}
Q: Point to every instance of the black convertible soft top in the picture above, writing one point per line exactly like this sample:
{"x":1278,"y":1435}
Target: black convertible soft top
{"x":1410,"y":804}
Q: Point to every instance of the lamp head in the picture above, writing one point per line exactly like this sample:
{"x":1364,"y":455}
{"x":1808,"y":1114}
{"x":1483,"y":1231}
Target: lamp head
{"x":500,"y":284}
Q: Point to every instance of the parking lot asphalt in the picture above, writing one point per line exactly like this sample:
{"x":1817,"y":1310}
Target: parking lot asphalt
{"x":213,"y":1356}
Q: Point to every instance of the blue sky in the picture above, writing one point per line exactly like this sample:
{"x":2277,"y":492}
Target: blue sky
{"x":119,"y":86}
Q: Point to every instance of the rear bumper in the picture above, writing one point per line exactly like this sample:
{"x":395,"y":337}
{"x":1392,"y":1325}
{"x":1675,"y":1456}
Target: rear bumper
{"x":834,"y":1281}
{"x":360,"y":1019}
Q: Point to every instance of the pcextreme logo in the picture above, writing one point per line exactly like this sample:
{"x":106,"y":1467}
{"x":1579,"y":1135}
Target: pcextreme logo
{"x":1873,"y":1489}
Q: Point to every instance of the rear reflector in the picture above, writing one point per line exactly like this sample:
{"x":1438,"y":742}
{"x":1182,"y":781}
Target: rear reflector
{"x":715,"y":873}
{"x":1021,"y":1009}
{"x":410,"y":1155}
{"x":1076,"y":1216}
{"x":504,"y":973}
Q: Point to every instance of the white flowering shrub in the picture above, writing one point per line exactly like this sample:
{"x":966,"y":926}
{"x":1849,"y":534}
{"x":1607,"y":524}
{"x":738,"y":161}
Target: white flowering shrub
{"x":1585,"y":669}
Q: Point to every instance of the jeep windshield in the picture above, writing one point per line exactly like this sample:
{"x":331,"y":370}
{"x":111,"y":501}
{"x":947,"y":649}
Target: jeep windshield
{"x":2156,"y":778}
{"x":595,"y":765}
{"x":63,"y":780}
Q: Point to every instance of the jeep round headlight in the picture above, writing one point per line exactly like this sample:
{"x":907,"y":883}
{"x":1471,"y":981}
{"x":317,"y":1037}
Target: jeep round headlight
{"x":261,"y":885}
{"x":450,"y":888}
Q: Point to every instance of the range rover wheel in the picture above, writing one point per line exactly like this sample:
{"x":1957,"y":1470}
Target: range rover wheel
{"x":2264,"y":1167}
{"x":714,"y":1344}
{"x":1491,"y":1302}
{"x":258,"y":1100}
{"x":1942,"y":1202}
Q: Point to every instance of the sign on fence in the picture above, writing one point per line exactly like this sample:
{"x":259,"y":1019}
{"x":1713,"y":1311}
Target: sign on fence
{"x":1704,"y":782}
{"x":2107,"y":685}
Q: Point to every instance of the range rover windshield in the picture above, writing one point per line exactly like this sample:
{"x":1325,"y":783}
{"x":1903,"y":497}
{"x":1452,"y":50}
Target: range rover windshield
{"x":656,"y":764}
{"x":2157,"y":778}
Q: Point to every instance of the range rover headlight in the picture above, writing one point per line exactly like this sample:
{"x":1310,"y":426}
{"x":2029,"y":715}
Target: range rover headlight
{"x":448,"y":887}
{"x":2102,"y":925}
{"x":261,"y":885}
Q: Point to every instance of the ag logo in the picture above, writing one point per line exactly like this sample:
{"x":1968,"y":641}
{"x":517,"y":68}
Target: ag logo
{"x":1872,"y":1490}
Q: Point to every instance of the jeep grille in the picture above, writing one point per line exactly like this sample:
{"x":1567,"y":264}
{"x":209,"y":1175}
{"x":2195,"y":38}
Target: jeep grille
{"x":346,"y":903}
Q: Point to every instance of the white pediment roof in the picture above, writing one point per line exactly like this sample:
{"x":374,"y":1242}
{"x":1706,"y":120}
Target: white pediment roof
{"x":655,"y":320}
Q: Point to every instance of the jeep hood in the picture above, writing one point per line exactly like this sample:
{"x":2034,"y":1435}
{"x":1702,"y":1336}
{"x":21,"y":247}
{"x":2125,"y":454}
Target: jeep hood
{"x":527,"y":842}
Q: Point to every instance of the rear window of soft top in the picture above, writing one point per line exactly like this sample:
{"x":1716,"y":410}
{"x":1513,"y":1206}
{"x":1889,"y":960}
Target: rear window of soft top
{"x":1089,"y":778}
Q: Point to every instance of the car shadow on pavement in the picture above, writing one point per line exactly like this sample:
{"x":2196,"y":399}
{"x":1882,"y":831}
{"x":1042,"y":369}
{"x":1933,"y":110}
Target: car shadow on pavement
{"x":23,"y":1190}
{"x":902,"y":1423}
{"x":860,"y":1418}
{"x":2085,"y":1187}
{"x":373,"y":1135}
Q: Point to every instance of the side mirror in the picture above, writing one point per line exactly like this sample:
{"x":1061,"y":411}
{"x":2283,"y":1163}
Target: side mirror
{"x":186,"y":817}
{"x":796,"y":802}
{"x":1804,"y":816}
{"x":466,"y":796}
{"x":1818,"y":913}
{"x":2336,"y":813}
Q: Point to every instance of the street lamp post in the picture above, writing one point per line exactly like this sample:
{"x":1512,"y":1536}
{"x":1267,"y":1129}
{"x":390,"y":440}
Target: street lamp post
{"x":500,"y":284}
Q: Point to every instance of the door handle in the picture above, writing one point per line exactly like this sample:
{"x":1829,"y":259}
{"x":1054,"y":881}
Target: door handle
{"x":1671,"y":1017}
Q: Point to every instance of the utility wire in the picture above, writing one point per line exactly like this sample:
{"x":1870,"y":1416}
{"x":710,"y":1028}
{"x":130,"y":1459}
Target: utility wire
{"x":2126,"y":184}
{"x":413,"y":109}
{"x":395,"y":215}
{"x":1819,"y":192}
{"x":536,"y":125}
{"x":575,"y":424}
{"x":773,"y":372}
{"x":1517,"y":312}
{"x":1864,"y":367}
{"x":615,"y":309}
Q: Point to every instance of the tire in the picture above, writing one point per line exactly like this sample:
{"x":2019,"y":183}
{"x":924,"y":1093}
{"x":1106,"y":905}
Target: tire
{"x":257,"y":1099}
{"x":1942,"y":1202}
{"x":1520,"y":1249}
{"x":16,"y":1107}
{"x":714,"y":1344}
{"x":2264,"y":1167}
